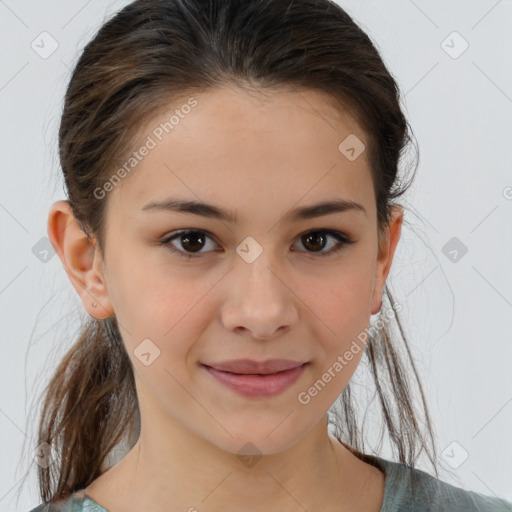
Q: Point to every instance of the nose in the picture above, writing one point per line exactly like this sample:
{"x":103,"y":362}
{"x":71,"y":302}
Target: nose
{"x":260,"y":302}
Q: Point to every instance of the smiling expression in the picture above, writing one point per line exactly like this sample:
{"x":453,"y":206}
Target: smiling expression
{"x":262,"y":270}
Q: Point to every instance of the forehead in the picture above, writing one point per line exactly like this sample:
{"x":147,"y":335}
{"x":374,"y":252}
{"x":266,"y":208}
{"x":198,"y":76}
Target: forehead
{"x":236,"y":147}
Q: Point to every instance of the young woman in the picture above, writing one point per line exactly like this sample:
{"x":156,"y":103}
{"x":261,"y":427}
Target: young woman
{"x":232,"y":171}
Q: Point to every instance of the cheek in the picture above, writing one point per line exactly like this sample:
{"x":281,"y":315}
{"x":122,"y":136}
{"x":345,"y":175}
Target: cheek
{"x":342,"y":316}
{"x":154,"y":303}
{"x":341,"y":300}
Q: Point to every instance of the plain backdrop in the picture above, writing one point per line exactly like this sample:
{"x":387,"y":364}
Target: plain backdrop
{"x":452,"y":270}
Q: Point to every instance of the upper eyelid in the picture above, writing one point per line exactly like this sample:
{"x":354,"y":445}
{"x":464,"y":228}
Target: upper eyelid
{"x":182,"y":231}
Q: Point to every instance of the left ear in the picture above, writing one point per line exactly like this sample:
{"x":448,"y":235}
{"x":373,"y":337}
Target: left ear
{"x":388,"y":243}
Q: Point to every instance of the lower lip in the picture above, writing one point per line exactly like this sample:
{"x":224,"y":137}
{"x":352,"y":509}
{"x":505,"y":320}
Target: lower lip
{"x":258,"y":385}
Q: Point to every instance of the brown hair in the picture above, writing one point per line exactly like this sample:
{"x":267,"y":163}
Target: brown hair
{"x":144,"y":57}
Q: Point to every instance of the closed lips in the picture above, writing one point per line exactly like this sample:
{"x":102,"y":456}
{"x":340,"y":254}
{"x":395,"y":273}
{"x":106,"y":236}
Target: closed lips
{"x":256,"y":380}
{"x":252,"y":367}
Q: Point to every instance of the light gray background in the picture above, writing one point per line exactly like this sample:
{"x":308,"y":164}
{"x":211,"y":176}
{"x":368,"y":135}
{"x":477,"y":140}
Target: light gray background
{"x":459,"y":314}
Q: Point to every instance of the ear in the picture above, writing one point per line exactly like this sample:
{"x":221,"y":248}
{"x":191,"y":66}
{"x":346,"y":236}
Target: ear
{"x":81,"y":258}
{"x":386,"y":251}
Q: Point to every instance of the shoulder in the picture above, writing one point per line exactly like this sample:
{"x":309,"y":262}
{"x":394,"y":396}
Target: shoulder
{"x":431,"y":493}
{"x":76,"y":502}
{"x":410,"y":489}
{"x":60,"y":506}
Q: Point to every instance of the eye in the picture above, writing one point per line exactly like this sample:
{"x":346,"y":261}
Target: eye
{"x":193,"y":240}
{"x":318,"y":239}
{"x":190,"y":239}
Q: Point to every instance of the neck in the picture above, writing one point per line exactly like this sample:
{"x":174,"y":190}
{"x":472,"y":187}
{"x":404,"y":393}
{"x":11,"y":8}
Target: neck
{"x":317,"y":473}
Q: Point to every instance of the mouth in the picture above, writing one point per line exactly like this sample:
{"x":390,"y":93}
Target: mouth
{"x":257,"y":380}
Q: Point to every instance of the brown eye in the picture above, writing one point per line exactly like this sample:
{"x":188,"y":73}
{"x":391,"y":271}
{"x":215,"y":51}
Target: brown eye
{"x":191,"y":241}
{"x":315,"y":241}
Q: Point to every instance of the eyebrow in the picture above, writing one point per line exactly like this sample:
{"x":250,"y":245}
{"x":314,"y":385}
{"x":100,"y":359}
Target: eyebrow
{"x":216,"y":212}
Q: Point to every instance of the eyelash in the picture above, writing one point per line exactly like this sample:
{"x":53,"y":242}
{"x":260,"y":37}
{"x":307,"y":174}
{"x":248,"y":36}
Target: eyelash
{"x":340,"y":237}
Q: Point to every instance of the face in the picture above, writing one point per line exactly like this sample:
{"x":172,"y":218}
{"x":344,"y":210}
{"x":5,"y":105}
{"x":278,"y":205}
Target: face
{"x":266,"y":284}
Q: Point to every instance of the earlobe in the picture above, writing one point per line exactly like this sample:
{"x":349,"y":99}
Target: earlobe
{"x":81,"y":258}
{"x":385,"y":257}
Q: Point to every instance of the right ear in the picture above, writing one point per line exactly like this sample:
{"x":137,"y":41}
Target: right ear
{"x":81,"y":258}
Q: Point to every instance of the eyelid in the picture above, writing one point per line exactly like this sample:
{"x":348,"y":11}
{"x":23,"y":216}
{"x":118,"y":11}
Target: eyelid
{"x":166,"y":241}
{"x":342,"y":239}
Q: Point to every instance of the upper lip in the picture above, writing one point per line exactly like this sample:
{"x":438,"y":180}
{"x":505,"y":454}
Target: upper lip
{"x":249,"y":366}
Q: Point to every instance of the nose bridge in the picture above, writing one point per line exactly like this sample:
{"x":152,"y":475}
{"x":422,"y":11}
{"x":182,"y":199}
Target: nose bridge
{"x":259,"y":277}
{"x":258,"y":300}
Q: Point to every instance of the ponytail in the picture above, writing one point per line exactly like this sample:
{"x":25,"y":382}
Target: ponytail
{"x":90,"y":406}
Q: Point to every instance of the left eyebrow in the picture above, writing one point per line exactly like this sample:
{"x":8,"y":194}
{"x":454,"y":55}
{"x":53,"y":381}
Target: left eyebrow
{"x":210,"y":210}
